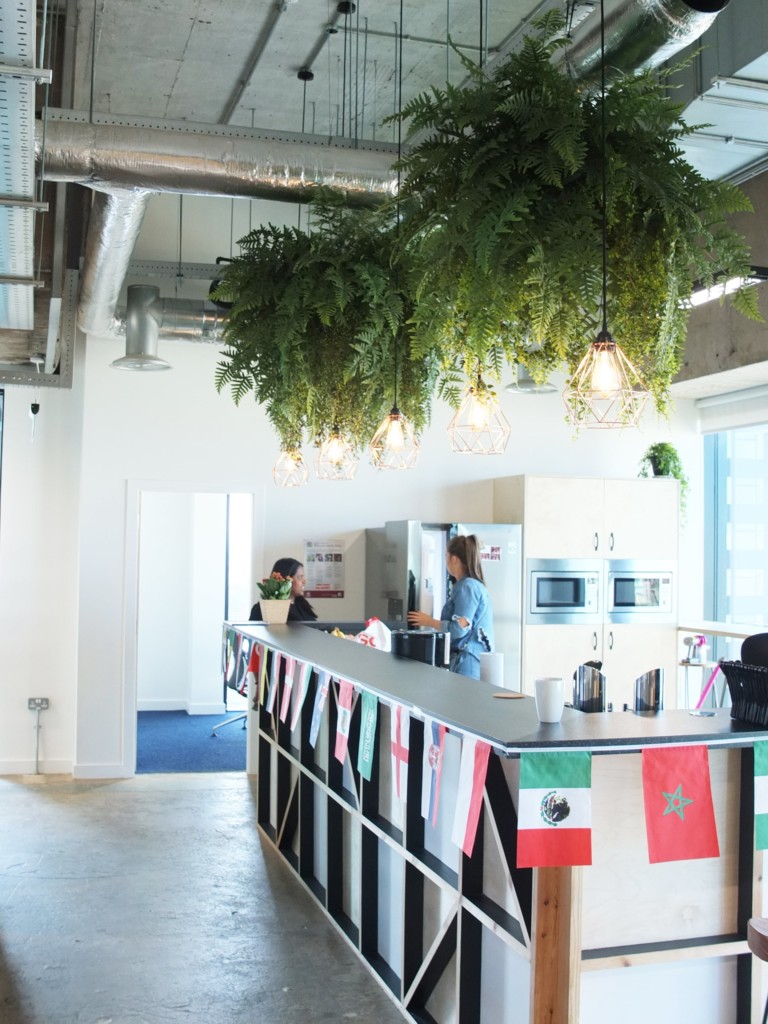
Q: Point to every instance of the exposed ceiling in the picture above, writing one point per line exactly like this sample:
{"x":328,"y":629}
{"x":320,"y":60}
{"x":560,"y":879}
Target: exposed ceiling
{"x":189,"y":65}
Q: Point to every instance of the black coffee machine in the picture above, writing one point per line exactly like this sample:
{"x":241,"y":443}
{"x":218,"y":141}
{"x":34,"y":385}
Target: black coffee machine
{"x":428,"y":645}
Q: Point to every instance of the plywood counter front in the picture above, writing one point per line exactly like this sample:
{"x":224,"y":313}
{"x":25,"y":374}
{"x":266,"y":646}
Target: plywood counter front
{"x":476,"y":939}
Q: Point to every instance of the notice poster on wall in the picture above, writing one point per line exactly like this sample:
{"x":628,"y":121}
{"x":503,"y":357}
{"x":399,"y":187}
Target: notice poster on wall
{"x":324,"y":568}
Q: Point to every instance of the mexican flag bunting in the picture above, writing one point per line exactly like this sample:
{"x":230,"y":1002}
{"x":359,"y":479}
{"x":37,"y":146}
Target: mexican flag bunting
{"x":761,"y":795}
{"x":230,"y":661}
{"x":305,"y":671}
{"x":367,"y":749}
{"x":432,"y":768}
{"x":344,"y":718}
{"x":554,"y":815}
{"x":469,"y":799}
{"x":679,"y":814}
{"x":285,"y":703}
{"x":321,"y":695}
{"x":273,"y":681}
{"x":400,"y":723}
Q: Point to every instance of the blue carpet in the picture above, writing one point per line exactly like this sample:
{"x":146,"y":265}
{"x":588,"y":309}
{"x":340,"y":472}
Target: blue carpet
{"x":173,"y":741}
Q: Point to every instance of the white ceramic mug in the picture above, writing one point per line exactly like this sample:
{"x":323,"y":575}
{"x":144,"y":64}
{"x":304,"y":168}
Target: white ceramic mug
{"x":550,"y":698}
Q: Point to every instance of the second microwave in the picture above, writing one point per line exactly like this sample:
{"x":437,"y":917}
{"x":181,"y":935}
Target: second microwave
{"x":638,"y":591}
{"x":561,"y":590}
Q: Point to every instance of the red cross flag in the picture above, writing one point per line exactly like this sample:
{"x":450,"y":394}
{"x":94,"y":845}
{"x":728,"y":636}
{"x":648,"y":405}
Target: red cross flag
{"x":400,"y":723}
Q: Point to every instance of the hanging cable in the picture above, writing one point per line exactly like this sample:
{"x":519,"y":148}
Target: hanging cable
{"x":603,"y":163}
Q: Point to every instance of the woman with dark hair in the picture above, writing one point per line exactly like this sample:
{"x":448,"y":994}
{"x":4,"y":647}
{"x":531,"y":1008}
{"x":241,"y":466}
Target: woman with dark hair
{"x":467,"y":614}
{"x":301,"y":610}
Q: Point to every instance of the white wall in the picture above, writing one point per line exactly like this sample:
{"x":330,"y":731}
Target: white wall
{"x":69,"y":522}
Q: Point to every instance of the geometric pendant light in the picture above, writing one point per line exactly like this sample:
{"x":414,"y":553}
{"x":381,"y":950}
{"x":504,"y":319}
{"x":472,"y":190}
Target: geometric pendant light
{"x":290,"y":470}
{"x":336,"y":458}
{"x":479,"y":427}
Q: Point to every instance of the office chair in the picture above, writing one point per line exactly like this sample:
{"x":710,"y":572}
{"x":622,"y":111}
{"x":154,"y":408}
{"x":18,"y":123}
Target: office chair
{"x":236,"y":678}
{"x":754,"y":650}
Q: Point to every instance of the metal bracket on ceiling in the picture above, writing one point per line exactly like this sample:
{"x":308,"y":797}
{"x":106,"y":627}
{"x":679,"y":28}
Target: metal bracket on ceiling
{"x":42,"y":75}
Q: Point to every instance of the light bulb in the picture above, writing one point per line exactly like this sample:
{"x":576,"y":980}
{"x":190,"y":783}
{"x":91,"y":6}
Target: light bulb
{"x":395,"y":436}
{"x":334,"y":450}
{"x":604,"y":378}
{"x":477,"y":413}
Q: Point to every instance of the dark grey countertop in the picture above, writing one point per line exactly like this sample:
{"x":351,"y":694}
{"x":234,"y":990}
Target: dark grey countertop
{"x":470,"y":706}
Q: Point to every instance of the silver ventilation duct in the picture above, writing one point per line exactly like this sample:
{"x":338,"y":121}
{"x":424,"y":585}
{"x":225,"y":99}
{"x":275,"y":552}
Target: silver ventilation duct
{"x":142,"y":331}
{"x":180,"y":319}
{"x":524,"y":384}
{"x":639,"y":34}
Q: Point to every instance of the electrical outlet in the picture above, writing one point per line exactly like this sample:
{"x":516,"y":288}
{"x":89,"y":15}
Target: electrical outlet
{"x":38,"y":703}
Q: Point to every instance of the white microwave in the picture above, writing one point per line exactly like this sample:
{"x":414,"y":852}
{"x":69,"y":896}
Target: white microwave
{"x":639,"y":591}
{"x":562,"y":590}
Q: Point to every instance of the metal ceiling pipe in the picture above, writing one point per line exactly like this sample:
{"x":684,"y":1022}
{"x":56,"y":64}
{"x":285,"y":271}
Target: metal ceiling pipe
{"x":114,"y":226}
{"x":181,"y":320}
{"x":106,"y":156}
{"x":639,"y":34}
{"x":142,"y":331}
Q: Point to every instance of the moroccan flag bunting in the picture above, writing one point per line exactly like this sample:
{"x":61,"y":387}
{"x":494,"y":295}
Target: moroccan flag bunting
{"x":554,"y":812}
{"x":432,"y":768}
{"x":344,"y":719}
{"x":469,"y":799}
{"x":367,"y":748}
{"x":305,"y":671}
{"x":273,"y":681}
{"x":285,"y":703}
{"x":679,"y":814}
{"x":400,"y":727}
{"x":321,"y":695}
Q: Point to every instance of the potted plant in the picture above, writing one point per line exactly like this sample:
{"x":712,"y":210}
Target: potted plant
{"x":319,"y":327}
{"x":663,"y":459}
{"x":504,"y":192}
{"x":275,"y":600}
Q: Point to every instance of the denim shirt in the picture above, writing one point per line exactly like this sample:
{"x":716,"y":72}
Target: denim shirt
{"x":469,"y":600}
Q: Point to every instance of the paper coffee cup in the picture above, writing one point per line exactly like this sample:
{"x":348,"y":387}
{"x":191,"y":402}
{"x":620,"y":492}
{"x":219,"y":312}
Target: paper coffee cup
{"x":549,"y":692}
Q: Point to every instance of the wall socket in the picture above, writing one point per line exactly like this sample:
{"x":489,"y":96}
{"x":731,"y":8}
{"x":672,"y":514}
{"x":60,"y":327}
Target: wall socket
{"x":38,"y":703}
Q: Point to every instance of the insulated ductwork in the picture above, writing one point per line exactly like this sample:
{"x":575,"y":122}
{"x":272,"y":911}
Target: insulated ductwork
{"x":126,"y":164}
{"x":141,"y":333}
{"x":639,"y":34}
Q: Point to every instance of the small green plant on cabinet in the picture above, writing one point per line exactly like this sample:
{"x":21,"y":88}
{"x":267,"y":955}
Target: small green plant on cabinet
{"x":663,"y":459}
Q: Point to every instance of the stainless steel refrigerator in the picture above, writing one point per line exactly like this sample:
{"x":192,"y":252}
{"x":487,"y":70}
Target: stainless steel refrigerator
{"x":405,"y":570}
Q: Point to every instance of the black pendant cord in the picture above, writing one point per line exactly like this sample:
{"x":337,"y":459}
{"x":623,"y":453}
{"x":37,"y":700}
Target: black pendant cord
{"x":399,"y":155}
{"x":604,"y":176}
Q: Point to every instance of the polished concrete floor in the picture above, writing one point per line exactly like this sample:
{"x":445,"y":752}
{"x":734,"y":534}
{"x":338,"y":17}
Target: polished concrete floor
{"x":154,"y":900}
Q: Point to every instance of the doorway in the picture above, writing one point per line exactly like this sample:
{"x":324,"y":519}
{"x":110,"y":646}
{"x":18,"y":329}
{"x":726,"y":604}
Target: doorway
{"x":195,"y":552}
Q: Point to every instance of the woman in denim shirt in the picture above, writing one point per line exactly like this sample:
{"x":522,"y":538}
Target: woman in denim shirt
{"x":467,"y":614}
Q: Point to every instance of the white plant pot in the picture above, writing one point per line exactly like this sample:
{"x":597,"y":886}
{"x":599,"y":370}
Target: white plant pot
{"x":275,"y":612}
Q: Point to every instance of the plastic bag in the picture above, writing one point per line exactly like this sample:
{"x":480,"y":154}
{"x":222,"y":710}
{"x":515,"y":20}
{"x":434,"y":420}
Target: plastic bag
{"x":376,"y":634}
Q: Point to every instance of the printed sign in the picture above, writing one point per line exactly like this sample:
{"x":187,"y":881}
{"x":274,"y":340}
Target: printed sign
{"x":324,"y":568}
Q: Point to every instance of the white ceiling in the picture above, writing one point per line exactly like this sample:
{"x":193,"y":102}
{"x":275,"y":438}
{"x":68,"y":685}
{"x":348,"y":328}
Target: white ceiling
{"x":236,"y":62}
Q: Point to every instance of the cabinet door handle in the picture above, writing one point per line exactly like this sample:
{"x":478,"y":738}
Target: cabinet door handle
{"x":610,"y":640}
{"x":610,"y":544}
{"x":594,"y":641}
{"x":596,"y":541}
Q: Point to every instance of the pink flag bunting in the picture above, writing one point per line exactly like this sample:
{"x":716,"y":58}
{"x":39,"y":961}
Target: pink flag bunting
{"x":469,"y":799}
{"x":273,"y":681}
{"x":285,"y":704}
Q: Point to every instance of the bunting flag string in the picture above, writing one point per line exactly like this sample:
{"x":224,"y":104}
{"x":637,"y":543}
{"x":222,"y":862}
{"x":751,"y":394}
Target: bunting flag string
{"x":254,"y":667}
{"x":285,"y":703}
{"x":343,"y":719}
{"x":432,"y":768}
{"x":400,"y":747}
{"x":321,"y":695}
{"x":469,"y":799}
{"x":263,"y":674}
{"x":273,"y":682}
{"x":679,"y":813}
{"x":305,"y":671}
{"x":761,"y":794}
{"x":555,"y":809}
{"x":368,"y":718}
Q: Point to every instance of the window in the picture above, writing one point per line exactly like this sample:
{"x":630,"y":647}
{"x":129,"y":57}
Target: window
{"x":736,"y":520}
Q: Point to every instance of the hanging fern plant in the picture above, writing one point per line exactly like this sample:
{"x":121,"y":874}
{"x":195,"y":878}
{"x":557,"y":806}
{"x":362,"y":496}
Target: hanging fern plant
{"x":318,"y":328}
{"x":505,"y":228}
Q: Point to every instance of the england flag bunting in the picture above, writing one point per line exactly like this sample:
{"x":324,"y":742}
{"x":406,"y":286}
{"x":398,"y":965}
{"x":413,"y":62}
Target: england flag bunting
{"x":399,"y":735}
{"x":254,"y":667}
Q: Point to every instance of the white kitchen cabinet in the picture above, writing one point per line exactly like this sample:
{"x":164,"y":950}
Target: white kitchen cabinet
{"x":585,"y":517}
{"x":626,"y":651}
